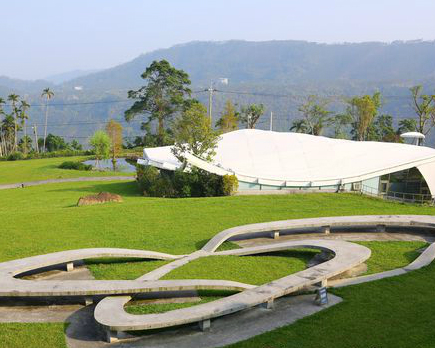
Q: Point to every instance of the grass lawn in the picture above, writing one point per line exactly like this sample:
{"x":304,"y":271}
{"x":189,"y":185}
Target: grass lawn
{"x":394,"y":312}
{"x":392,"y":254}
{"x":43,"y":219}
{"x":42,"y":169}
{"x":35,"y":335}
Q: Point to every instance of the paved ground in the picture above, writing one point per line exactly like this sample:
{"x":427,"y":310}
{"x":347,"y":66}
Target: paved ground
{"x":347,"y":236}
{"x":83,"y":332}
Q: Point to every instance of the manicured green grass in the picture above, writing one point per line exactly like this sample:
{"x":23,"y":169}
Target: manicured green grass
{"x":154,"y":308}
{"x":43,"y":219}
{"x":392,"y":254}
{"x":394,"y":312}
{"x":386,"y":255}
{"x":255,"y":270}
{"x":42,"y":169}
{"x":106,"y":269}
{"x":35,"y":335}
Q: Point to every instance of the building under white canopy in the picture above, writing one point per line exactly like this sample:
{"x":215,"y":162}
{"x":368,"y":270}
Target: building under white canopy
{"x":276,"y":160}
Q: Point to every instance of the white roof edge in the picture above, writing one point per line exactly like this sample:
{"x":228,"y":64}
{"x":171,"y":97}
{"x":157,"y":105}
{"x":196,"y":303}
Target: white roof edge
{"x":200,"y":163}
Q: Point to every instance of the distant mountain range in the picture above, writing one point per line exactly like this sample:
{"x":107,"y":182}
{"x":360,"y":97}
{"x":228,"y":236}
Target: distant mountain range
{"x":268,"y":69}
{"x":69,"y":75}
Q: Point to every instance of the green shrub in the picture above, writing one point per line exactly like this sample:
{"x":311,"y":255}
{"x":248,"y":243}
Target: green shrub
{"x":195,"y":183}
{"x":34,"y":155}
{"x":230,"y":185}
{"x":75,"y":166}
{"x":15,"y":156}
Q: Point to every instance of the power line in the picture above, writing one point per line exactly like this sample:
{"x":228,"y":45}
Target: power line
{"x":92,"y":102}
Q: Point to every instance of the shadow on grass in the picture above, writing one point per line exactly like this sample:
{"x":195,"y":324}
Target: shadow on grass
{"x":413,"y":254}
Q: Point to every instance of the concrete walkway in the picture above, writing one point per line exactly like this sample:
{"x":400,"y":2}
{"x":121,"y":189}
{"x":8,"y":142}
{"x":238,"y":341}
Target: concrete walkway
{"x":56,"y":181}
{"x":226,"y":330}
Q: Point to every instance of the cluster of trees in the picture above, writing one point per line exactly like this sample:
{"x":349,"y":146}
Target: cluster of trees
{"x":16,"y":120}
{"x":361,"y":119}
{"x":247,"y":117}
{"x":166,"y":103}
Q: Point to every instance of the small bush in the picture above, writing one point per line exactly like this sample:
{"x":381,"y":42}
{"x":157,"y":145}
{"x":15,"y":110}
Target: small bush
{"x":75,"y":166}
{"x":230,"y":185}
{"x":15,"y":156}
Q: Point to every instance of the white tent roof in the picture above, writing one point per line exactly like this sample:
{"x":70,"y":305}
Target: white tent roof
{"x":294,"y":159}
{"x":413,"y":135}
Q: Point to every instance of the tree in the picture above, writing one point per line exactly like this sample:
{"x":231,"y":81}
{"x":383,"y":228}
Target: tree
{"x":229,"y":120}
{"x":424,"y":106}
{"x":363,"y":111}
{"x":100,"y":143}
{"x":25,"y":144}
{"x":249,"y":115}
{"x":14,"y":98}
{"x":341,"y":123}
{"x":315,"y":117}
{"x":8,"y":133}
{"x":193,"y":133}
{"x":382,"y":130}
{"x":2,"y":148}
{"x":75,"y":145}
{"x":161,"y":97}
{"x":114,"y":131}
{"x":48,"y":94}
{"x":407,"y":125}
{"x":24,"y":106}
{"x":54,"y":143}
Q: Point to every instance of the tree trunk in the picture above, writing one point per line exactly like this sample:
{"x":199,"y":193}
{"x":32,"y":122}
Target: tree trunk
{"x":161,"y":131}
{"x":46,"y":119}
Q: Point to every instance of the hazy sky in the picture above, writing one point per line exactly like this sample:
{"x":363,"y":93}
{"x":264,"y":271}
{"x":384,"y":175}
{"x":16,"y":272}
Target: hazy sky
{"x":44,"y":37}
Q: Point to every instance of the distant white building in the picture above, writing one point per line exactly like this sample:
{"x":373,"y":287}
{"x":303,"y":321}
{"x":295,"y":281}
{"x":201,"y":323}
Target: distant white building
{"x":266,"y":160}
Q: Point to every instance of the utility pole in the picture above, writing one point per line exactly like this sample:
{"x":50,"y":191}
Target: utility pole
{"x":271,"y":120}
{"x":36,"y":138}
{"x":210,"y":102}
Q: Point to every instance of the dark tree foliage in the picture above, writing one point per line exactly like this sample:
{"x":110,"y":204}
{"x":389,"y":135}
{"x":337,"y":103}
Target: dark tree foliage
{"x":163,"y":95}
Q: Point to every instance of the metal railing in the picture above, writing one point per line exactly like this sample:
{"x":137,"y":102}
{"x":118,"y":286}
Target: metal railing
{"x":419,"y":198}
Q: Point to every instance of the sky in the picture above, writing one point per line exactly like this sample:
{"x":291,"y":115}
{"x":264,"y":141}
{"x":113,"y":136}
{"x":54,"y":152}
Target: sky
{"x":46,"y":37}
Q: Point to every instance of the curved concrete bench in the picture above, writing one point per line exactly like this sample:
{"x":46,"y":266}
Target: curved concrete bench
{"x":11,"y":286}
{"x":379,"y":221}
{"x":111,"y":314}
{"x":110,"y":311}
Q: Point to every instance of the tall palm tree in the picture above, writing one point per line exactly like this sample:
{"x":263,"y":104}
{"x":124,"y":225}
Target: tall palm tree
{"x":13,"y":98}
{"x":48,"y":94}
{"x":2,"y":145}
{"x":24,"y":106}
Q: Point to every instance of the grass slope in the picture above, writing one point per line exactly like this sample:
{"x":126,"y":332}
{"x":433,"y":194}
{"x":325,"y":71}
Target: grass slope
{"x":43,"y":219}
{"x":35,"y":335}
{"x":395,"y":312}
{"x":43,"y":169}
{"x":392,"y":254}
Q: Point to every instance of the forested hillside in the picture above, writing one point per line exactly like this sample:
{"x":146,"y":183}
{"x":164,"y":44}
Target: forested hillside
{"x":278,"y":74}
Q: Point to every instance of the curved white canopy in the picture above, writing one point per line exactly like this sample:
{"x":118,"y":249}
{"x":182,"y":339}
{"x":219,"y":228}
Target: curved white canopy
{"x":412,"y":135}
{"x":295,"y":159}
